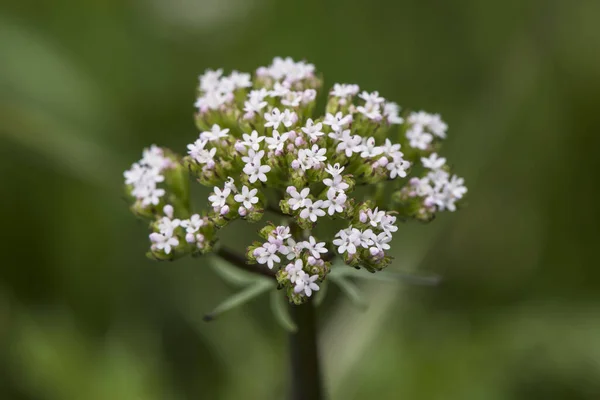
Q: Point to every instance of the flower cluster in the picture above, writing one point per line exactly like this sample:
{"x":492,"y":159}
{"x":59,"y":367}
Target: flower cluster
{"x":346,"y":166}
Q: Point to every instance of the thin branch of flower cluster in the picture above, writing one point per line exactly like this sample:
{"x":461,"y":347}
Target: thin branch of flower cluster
{"x":264,"y":131}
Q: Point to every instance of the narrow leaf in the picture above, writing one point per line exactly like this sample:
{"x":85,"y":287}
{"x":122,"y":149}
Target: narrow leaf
{"x":240,"y":298}
{"x":396,"y":276}
{"x":351,"y":290}
{"x":280,"y":308}
{"x":232,"y":275}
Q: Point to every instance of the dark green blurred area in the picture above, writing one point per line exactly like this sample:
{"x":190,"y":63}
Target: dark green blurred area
{"x":85,"y":85}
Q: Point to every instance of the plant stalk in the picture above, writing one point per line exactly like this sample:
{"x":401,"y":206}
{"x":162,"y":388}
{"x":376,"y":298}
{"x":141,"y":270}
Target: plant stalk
{"x":306,"y":381}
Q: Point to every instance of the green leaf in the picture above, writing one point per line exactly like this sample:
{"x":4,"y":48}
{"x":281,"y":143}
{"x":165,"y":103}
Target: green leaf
{"x":233,"y":275}
{"x":280,"y":308}
{"x":351,"y":290}
{"x":320,"y":296}
{"x":395,"y":276}
{"x":240,"y":298}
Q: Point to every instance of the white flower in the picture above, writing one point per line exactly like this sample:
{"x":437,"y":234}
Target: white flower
{"x":273,"y":118}
{"x":337,"y":121}
{"x":334,"y":170}
{"x":253,"y":156}
{"x":253,"y":140}
{"x":196,"y":148}
{"x":457,"y":187}
{"x":298,"y":200}
{"x":398,"y":167}
{"x":153,"y":197}
{"x":380,"y":244}
{"x":240,"y":79}
{"x":336,"y":184}
{"x":292,"y":99}
{"x":256,"y":171}
{"x":311,"y":210}
{"x":372,"y":98}
{"x":346,"y":241}
{"x":349,"y":144}
{"x":279,"y":90}
{"x":289,"y":118}
{"x":365,"y":238}
{"x":163,"y":242}
{"x":200,"y":154}
{"x":315,"y":249}
{"x":431,"y":122}
{"x":267,"y":254}
{"x":219,"y":198}
{"x":335,"y":202}
{"x":247,"y":197}
{"x":312,"y":130}
{"x":193,"y":224}
{"x":306,"y":283}
{"x":433,"y":161}
{"x":391,"y":111}
{"x":215,"y":133}
{"x":371,"y":111}
{"x":387,"y":224}
{"x":209,"y":81}
{"x":167,"y":226}
{"x":277,"y":141}
{"x":309,"y":95}
{"x":375,"y":216}
{"x":276,"y":117}
{"x":418,"y":139}
{"x":294,"y":269}
{"x":280,"y":234}
{"x":369,"y":150}
{"x":344,"y":90}
{"x":308,"y":158}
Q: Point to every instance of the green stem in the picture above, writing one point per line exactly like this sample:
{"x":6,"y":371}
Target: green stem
{"x":304,"y":356}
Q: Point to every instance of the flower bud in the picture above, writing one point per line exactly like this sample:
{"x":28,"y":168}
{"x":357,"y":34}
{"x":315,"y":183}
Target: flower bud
{"x":190,"y":238}
{"x":168,"y":210}
{"x":224,"y":210}
{"x":242,"y":211}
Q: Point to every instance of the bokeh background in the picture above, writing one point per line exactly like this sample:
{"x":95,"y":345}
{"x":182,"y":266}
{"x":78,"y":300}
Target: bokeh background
{"x":85,"y":85}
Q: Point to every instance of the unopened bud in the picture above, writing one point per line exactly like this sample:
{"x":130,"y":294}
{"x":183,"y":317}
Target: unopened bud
{"x":242,"y":211}
{"x":190,"y":238}
{"x":168,"y":210}
{"x":225,"y":210}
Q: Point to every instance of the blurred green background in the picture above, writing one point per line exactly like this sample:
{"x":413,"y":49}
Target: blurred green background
{"x":85,"y":85}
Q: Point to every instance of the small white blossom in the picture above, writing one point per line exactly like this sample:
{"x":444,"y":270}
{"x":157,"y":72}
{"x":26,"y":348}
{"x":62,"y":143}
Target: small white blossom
{"x":163,"y":242}
{"x":344,"y":90}
{"x":312,"y":130}
{"x":193,"y":224}
{"x":369,"y":149}
{"x":277,"y":141}
{"x":253,"y":140}
{"x":334,"y":170}
{"x":298,"y":200}
{"x":267,"y":254}
{"x":311,"y":210}
{"x":294,"y":269}
{"x":338,"y":121}
{"x":167,"y":226}
{"x":349,"y":144}
{"x":306,"y":283}
{"x":372,"y":98}
{"x":336,"y":200}
{"x":309,"y":158}
{"x":215,"y":133}
{"x":346,"y":241}
{"x":398,"y":167}
{"x":315,"y":249}
{"x":219,"y":198}
{"x":336,"y":183}
{"x":247,"y":197}
{"x":433,"y":161}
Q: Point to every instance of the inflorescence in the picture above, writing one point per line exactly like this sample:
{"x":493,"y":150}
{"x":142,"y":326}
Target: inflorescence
{"x":263,"y":148}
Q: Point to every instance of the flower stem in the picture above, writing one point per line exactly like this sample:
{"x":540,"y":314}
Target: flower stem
{"x":304,"y":357}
